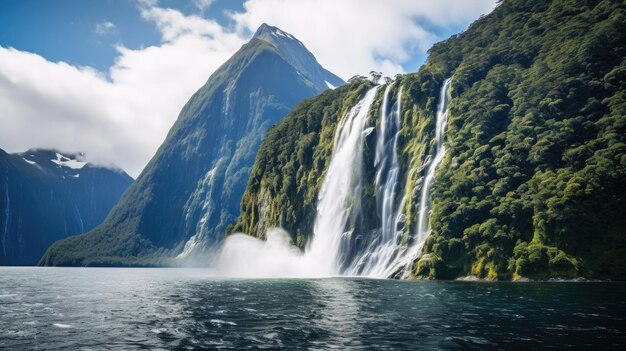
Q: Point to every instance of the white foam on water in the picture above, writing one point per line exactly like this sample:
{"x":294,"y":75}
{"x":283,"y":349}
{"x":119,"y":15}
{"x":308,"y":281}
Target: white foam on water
{"x":220,"y":322}
{"x":62,"y":326}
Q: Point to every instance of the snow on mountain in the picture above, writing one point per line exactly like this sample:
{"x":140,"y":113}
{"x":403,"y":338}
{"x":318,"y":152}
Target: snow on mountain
{"x":73,"y":163}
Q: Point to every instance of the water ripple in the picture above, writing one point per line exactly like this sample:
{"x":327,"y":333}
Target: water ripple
{"x":67,"y":309}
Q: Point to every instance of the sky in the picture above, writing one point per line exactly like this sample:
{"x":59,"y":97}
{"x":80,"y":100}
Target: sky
{"x":109,"y":77}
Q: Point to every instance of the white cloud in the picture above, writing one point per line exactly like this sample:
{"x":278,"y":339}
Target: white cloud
{"x":172,"y":24}
{"x":355,"y":36}
{"x":105,"y":28}
{"x":123,"y":118}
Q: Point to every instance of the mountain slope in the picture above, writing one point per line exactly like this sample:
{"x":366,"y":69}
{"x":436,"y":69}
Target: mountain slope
{"x":291,"y":49}
{"x":532,"y":179}
{"x":46,"y":195}
{"x":190,"y":191}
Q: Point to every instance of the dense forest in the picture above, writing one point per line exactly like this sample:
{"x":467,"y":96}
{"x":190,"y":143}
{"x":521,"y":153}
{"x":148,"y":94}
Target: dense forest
{"x":532,"y":184}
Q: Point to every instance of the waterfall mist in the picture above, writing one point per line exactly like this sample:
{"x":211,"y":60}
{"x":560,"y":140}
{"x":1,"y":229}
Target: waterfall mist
{"x":243,"y":256}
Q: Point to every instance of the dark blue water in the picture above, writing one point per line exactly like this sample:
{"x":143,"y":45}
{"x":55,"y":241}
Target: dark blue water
{"x":97,"y":308}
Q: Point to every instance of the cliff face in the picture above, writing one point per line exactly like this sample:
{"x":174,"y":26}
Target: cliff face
{"x":532,"y":179}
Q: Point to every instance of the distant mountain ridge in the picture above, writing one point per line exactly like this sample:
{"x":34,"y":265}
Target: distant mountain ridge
{"x":47,"y":195}
{"x":183,"y":201}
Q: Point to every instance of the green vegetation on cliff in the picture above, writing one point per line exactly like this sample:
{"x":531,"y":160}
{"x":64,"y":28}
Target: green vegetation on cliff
{"x":533,"y":180}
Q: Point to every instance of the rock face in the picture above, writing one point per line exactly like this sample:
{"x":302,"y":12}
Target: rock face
{"x":183,"y":201}
{"x":46,"y":195}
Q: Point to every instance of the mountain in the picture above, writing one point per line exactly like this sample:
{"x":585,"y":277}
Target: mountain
{"x":47,"y":195}
{"x":183,"y":201}
{"x":503,"y":157}
{"x":294,"y":52}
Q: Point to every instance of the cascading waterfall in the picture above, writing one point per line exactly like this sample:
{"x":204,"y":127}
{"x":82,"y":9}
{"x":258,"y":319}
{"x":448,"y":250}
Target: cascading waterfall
{"x":384,"y":249}
{"x":423,"y":225}
{"x":339,"y":197}
{"x":440,"y":151}
{"x":331,"y":250}
{"x":386,"y":255}
{"x":337,"y":207}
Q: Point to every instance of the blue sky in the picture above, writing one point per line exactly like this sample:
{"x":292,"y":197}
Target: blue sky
{"x":65,"y":30}
{"x":109,"y":77}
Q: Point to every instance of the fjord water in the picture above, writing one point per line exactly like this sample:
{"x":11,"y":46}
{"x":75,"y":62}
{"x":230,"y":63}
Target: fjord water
{"x":99,"y":308}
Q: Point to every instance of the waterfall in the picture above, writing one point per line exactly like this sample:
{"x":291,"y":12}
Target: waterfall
{"x":423,"y":225}
{"x":340,"y":194}
{"x":440,"y":151}
{"x":386,"y":255}
{"x":81,"y":227}
{"x":332,"y":251}
{"x":383,"y":249}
